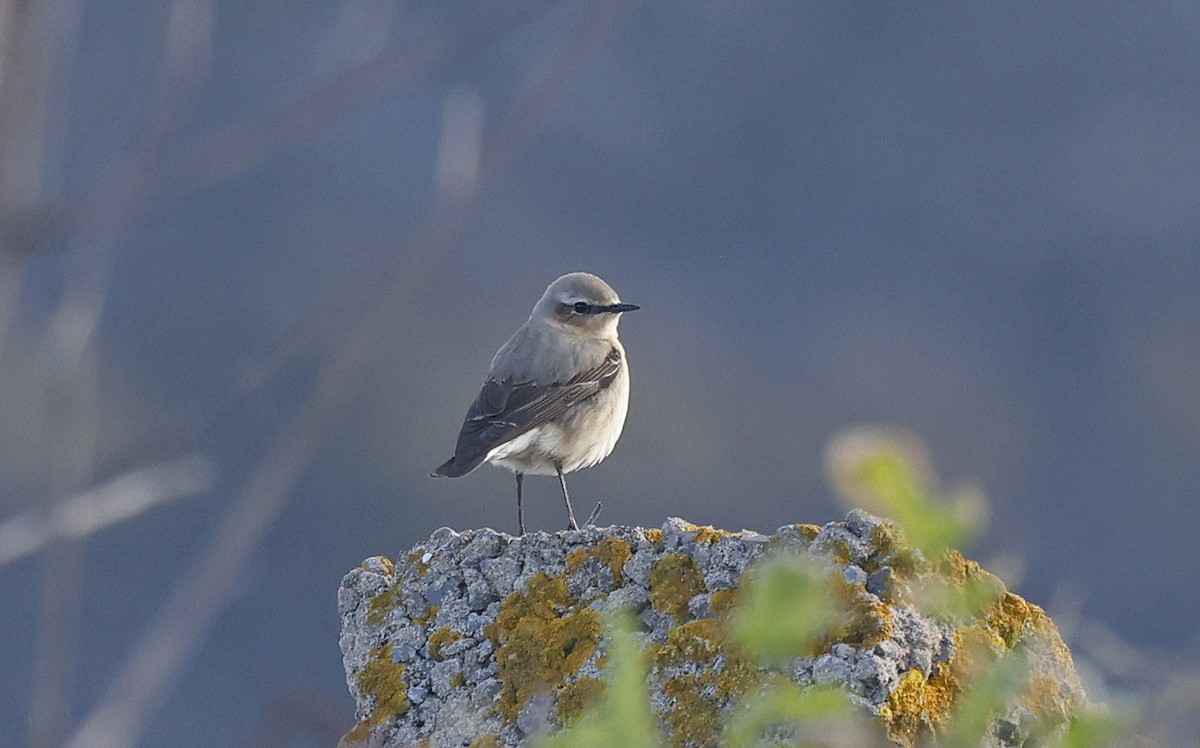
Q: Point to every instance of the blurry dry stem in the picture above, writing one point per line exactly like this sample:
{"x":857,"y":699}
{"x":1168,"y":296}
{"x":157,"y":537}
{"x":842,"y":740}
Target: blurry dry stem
{"x":95,"y":509}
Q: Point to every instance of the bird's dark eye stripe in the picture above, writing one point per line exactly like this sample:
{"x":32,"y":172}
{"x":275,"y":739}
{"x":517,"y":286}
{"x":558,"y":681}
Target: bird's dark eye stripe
{"x":582,"y":307}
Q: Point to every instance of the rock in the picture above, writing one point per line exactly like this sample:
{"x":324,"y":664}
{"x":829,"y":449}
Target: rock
{"x":476,"y":635}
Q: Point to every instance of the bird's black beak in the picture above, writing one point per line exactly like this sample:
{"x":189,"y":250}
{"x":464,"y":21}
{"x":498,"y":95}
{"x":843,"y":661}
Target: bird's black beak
{"x":618,"y":308}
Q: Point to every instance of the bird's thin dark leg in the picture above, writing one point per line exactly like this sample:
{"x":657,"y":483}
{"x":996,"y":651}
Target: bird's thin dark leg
{"x":520,"y":512}
{"x":571,"y":523}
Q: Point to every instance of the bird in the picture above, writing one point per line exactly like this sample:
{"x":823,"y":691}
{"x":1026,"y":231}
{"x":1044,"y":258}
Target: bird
{"x":556,"y":394}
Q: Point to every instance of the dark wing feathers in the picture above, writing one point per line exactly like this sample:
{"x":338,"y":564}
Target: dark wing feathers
{"x":504,"y":410}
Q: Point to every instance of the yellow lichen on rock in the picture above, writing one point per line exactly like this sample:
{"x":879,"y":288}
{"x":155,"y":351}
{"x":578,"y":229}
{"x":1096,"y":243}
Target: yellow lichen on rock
{"x":389,"y":567}
{"x":863,"y":622}
{"x":416,"y":560}
{"x":440,"y":638}
{"x":542,"y":636}
{"x":384,"y":680}
{"x":1043,"y":696}
{"x":577,"y":696}
{"x":1005,"y":622}
{"x":429,"y":614}
{"x":723,"y":601}
{"x":700,"y":671}
{"x":918,"y":704}
{"x":707,"y":533}
{"x":891,"y":550}
{"x":609,"y":552}
{"x":674,"y":581}
{"x":1010,"y":617}
{"x":809,"y":532}
{"x":379,"y":606}
{"x":1005,"y":616}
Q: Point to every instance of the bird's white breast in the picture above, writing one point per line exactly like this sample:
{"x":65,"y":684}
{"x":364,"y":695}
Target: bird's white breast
{"x":581,"y":438}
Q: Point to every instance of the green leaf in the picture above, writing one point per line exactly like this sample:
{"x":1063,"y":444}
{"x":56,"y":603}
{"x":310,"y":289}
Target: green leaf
{"x":786,"y":608}
{"x":1096,"y":727}
{"x":786,"y":703}
{"x":986,"y":697}
{"x":888,"y":472}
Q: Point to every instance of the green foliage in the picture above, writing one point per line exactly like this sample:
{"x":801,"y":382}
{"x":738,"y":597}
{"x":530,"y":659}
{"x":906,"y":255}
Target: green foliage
{"x":1096,"y":728}
{"x":786,"y":608}
{"x":888,"y":473}
{"x":785,"y":703}
{"x":983,"y":699}
{"x":954,"y":601}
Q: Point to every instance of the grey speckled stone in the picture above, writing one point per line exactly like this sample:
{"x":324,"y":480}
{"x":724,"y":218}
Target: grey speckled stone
{"x":829,"y":669}
{"x":461,"y":580}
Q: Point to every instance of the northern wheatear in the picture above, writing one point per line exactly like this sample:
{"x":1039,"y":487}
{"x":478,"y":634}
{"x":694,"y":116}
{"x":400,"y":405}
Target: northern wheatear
{"x":556,"y":394}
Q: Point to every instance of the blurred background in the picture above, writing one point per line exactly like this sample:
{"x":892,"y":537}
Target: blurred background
{"x":256,"y":256}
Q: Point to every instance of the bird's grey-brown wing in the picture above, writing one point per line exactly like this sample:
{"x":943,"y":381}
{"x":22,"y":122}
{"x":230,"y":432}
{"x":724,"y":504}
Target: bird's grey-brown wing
{"x":504,"y":410}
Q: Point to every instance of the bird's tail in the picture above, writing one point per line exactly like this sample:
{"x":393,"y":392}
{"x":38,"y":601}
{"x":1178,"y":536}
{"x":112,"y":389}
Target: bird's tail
{"x":452,"y":468}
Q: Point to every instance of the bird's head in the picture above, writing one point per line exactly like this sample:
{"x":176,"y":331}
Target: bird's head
{"x":583,"y":304}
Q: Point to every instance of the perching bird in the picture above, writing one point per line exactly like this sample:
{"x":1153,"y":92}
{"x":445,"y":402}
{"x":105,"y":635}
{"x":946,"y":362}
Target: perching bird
{"x":556,"y":394}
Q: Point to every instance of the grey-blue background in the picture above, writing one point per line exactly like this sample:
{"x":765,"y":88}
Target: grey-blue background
{"x":978,"y":222}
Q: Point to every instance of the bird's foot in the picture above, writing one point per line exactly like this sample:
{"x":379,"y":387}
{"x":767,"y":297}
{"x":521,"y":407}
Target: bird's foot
{"x":591,"y":520}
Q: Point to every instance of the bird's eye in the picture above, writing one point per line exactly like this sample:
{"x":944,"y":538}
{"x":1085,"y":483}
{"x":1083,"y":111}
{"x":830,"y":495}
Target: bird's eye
{"x":581,"y":307}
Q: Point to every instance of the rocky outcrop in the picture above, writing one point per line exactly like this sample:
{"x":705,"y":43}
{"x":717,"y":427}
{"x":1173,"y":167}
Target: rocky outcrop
{"x":481,"y":638}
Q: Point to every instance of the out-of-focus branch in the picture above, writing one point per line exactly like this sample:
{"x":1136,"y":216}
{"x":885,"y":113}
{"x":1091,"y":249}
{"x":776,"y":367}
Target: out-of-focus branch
{"x":6,"y":20}
{"x":70,"y":354}
{"x":125,"y":191}
{"x":143,"y":683}
{"x":120,"y":499}
{"x":33,"y":135}
{"x":23,"y":102}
